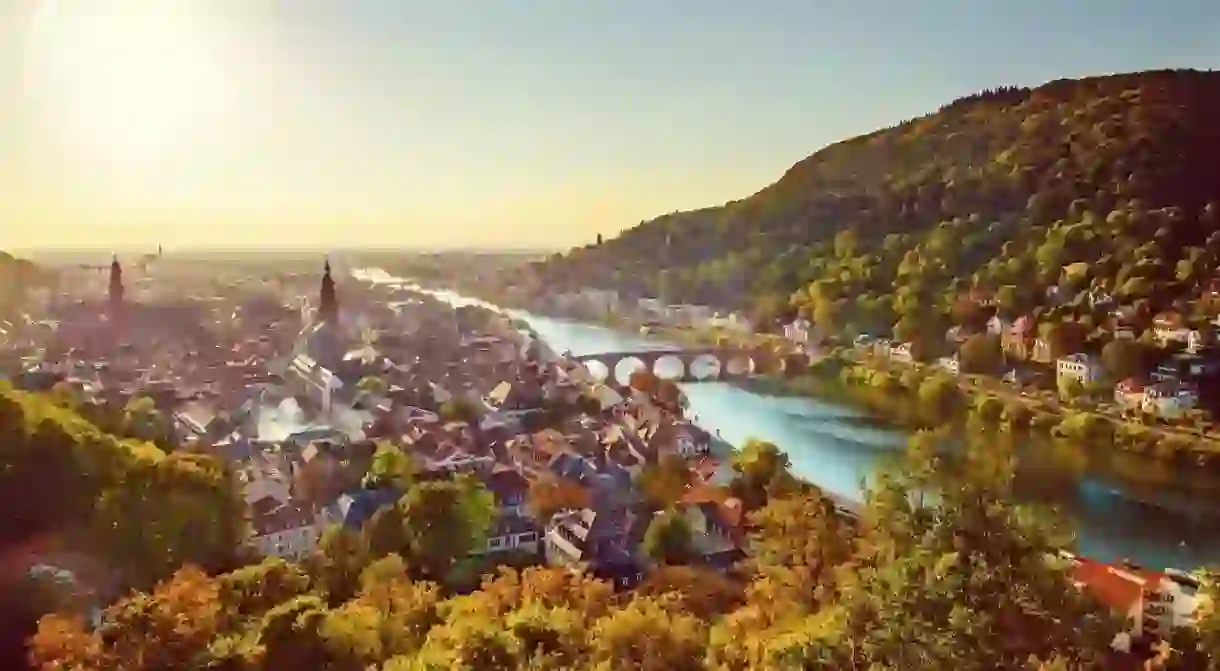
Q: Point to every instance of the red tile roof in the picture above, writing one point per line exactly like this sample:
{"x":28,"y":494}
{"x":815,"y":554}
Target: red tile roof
{"x":1117,"y":588}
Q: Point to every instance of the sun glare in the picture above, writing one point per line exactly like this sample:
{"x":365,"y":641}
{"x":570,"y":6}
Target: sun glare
{"x":127,"y":89}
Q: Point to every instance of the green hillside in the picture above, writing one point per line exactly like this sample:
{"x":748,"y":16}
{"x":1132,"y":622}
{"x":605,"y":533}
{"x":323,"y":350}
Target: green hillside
{"x":17,"y":278}
{"x":1004,"y":187}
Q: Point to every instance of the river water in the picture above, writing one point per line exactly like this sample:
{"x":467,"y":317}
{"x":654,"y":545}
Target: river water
{"x":837,"y":448}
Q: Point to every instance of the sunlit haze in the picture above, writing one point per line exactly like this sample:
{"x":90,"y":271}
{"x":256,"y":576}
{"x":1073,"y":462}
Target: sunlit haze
{"x":470,"y":122}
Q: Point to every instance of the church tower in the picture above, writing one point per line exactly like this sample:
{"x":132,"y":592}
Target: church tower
{"x":116,"y":286}
{"x":328,"y":302}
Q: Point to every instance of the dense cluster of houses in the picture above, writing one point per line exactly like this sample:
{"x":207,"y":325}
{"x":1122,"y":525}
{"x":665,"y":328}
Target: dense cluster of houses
{"x":599,"y":445}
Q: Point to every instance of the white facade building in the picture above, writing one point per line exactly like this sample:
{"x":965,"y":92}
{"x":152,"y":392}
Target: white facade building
{"x":1079,"y":367}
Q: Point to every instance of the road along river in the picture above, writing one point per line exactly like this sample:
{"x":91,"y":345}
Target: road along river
{"x":837,"y":448}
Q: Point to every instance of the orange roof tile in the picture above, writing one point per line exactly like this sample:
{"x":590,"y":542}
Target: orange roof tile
{"x":703,"y":493}
{"x":1118,"y":589}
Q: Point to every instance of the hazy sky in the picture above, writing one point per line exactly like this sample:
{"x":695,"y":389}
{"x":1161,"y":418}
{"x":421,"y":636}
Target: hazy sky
{"x":489,"y":122}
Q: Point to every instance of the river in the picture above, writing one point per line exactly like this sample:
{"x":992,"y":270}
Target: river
{"x":837,"y":448}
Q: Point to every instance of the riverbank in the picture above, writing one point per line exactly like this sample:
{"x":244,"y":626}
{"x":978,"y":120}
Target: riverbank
{"x":913,"y":397}
{"x":1126,"y":507}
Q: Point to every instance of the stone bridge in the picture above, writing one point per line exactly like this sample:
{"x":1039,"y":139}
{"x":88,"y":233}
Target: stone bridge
{"x":690,"y":364}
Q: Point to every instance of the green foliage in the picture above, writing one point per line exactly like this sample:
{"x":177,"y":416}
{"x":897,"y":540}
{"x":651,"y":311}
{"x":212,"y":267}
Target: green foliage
{"x":459,"y":410}
{"x":668,"y":539}
{"x":761,"y":471}
{"x":960,"y":580}
{"x":443,"y":522}
{"x":145,"y":512}
{"x":390,"y":467}
{"x":1123,"y":359}
{"x":981,"y":354}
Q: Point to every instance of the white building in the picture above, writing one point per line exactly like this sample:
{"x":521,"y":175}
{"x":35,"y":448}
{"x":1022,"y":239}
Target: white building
{"x":950,"y":364}
{"x":901,"y":353}
{"x":512,"y":533}
{"x":1170,"y":399}
{"x":1152,"y":602}
{"x":1079,"y":367}
{"x":800,"y":331}
{"x":289,"y":531}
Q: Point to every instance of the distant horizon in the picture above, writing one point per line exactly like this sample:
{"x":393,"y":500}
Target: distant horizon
{"x":251,"y":250}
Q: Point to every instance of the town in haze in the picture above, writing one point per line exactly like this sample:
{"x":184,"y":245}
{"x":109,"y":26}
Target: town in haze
{"x":383,"y":336}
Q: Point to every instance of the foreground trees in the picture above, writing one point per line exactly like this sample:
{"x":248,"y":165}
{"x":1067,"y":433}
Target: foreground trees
{"x":962,"y":580}
{"x":141,"y":513}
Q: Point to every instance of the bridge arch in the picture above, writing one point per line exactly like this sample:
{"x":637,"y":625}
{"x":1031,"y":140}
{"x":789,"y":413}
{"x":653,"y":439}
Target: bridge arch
{"x":597,"y":368}
{"x":670,"y":367}
{"x":626,"y":365}
{"x":705,"y":367}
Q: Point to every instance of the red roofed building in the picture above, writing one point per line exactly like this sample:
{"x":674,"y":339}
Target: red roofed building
{"x":1151,"y":601}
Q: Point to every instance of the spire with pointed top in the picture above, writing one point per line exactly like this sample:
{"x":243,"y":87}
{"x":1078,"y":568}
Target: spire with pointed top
{"x":328,"y":302}
{"x":116,"y":283}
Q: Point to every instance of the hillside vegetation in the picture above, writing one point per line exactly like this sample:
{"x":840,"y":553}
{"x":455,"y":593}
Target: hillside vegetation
{"x":965,"y":584}
{"x":17,"y":278}
{"x":1003,"y":188}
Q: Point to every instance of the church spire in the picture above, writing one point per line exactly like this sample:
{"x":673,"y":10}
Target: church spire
{"x":116,"y":284}
{"x":328,"y":302}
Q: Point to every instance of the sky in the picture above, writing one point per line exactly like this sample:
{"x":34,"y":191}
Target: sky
{"x":488,"y":123}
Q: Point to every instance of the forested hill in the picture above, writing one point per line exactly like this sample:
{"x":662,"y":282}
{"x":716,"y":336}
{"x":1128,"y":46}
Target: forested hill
{"x":17,"y":278}
{"x":1004,"y":187}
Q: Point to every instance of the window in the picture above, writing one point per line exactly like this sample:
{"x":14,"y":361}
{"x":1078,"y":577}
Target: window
{"x":495,"y":542}
{"x":527,"y":537}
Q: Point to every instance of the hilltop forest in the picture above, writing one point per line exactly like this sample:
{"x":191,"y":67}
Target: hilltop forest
{"x":1105,"y":182}
{"x":17,"y":277}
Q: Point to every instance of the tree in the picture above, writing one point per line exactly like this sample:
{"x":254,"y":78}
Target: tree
{"x":390,"y":467}
{"x":761,"y":471}
{"x":981,"y":354}
{"x":444,"y":522}
{"x":803,"y":531}
{"x":459,"y":410}
{"x":1070,"y":388}
{"x":968,"y":580}
{"x":704,"y":593}
{"x":664,"y":483}
{"x":645,"y":635}
{"x":549,"y":495}
{"x":385,"y":533}
{"x":938,"y":398}
{"x":373,"y":385}
{"x":251,"y":591}
{"x":337,"y":562}
{"x":668,"y":539}
{"x":1123,"y":358}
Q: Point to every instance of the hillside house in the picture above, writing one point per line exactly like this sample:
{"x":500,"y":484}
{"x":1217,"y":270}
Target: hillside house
{"x":998,"y":325}
{"x":511,"y":533}
{"x":1129,"y":394}
{"x":716,"y":533}
{"x":1170,"y":399}
{"x":592,"y":538}
{"x":1016,"y":340}
{"x":1080,"y":367}
{"x":510,"y":489}
{"x":289,"y":531}
{"x":1151,"y":602}
{"x":1170,"y":327}
{"x":902,"y":352}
